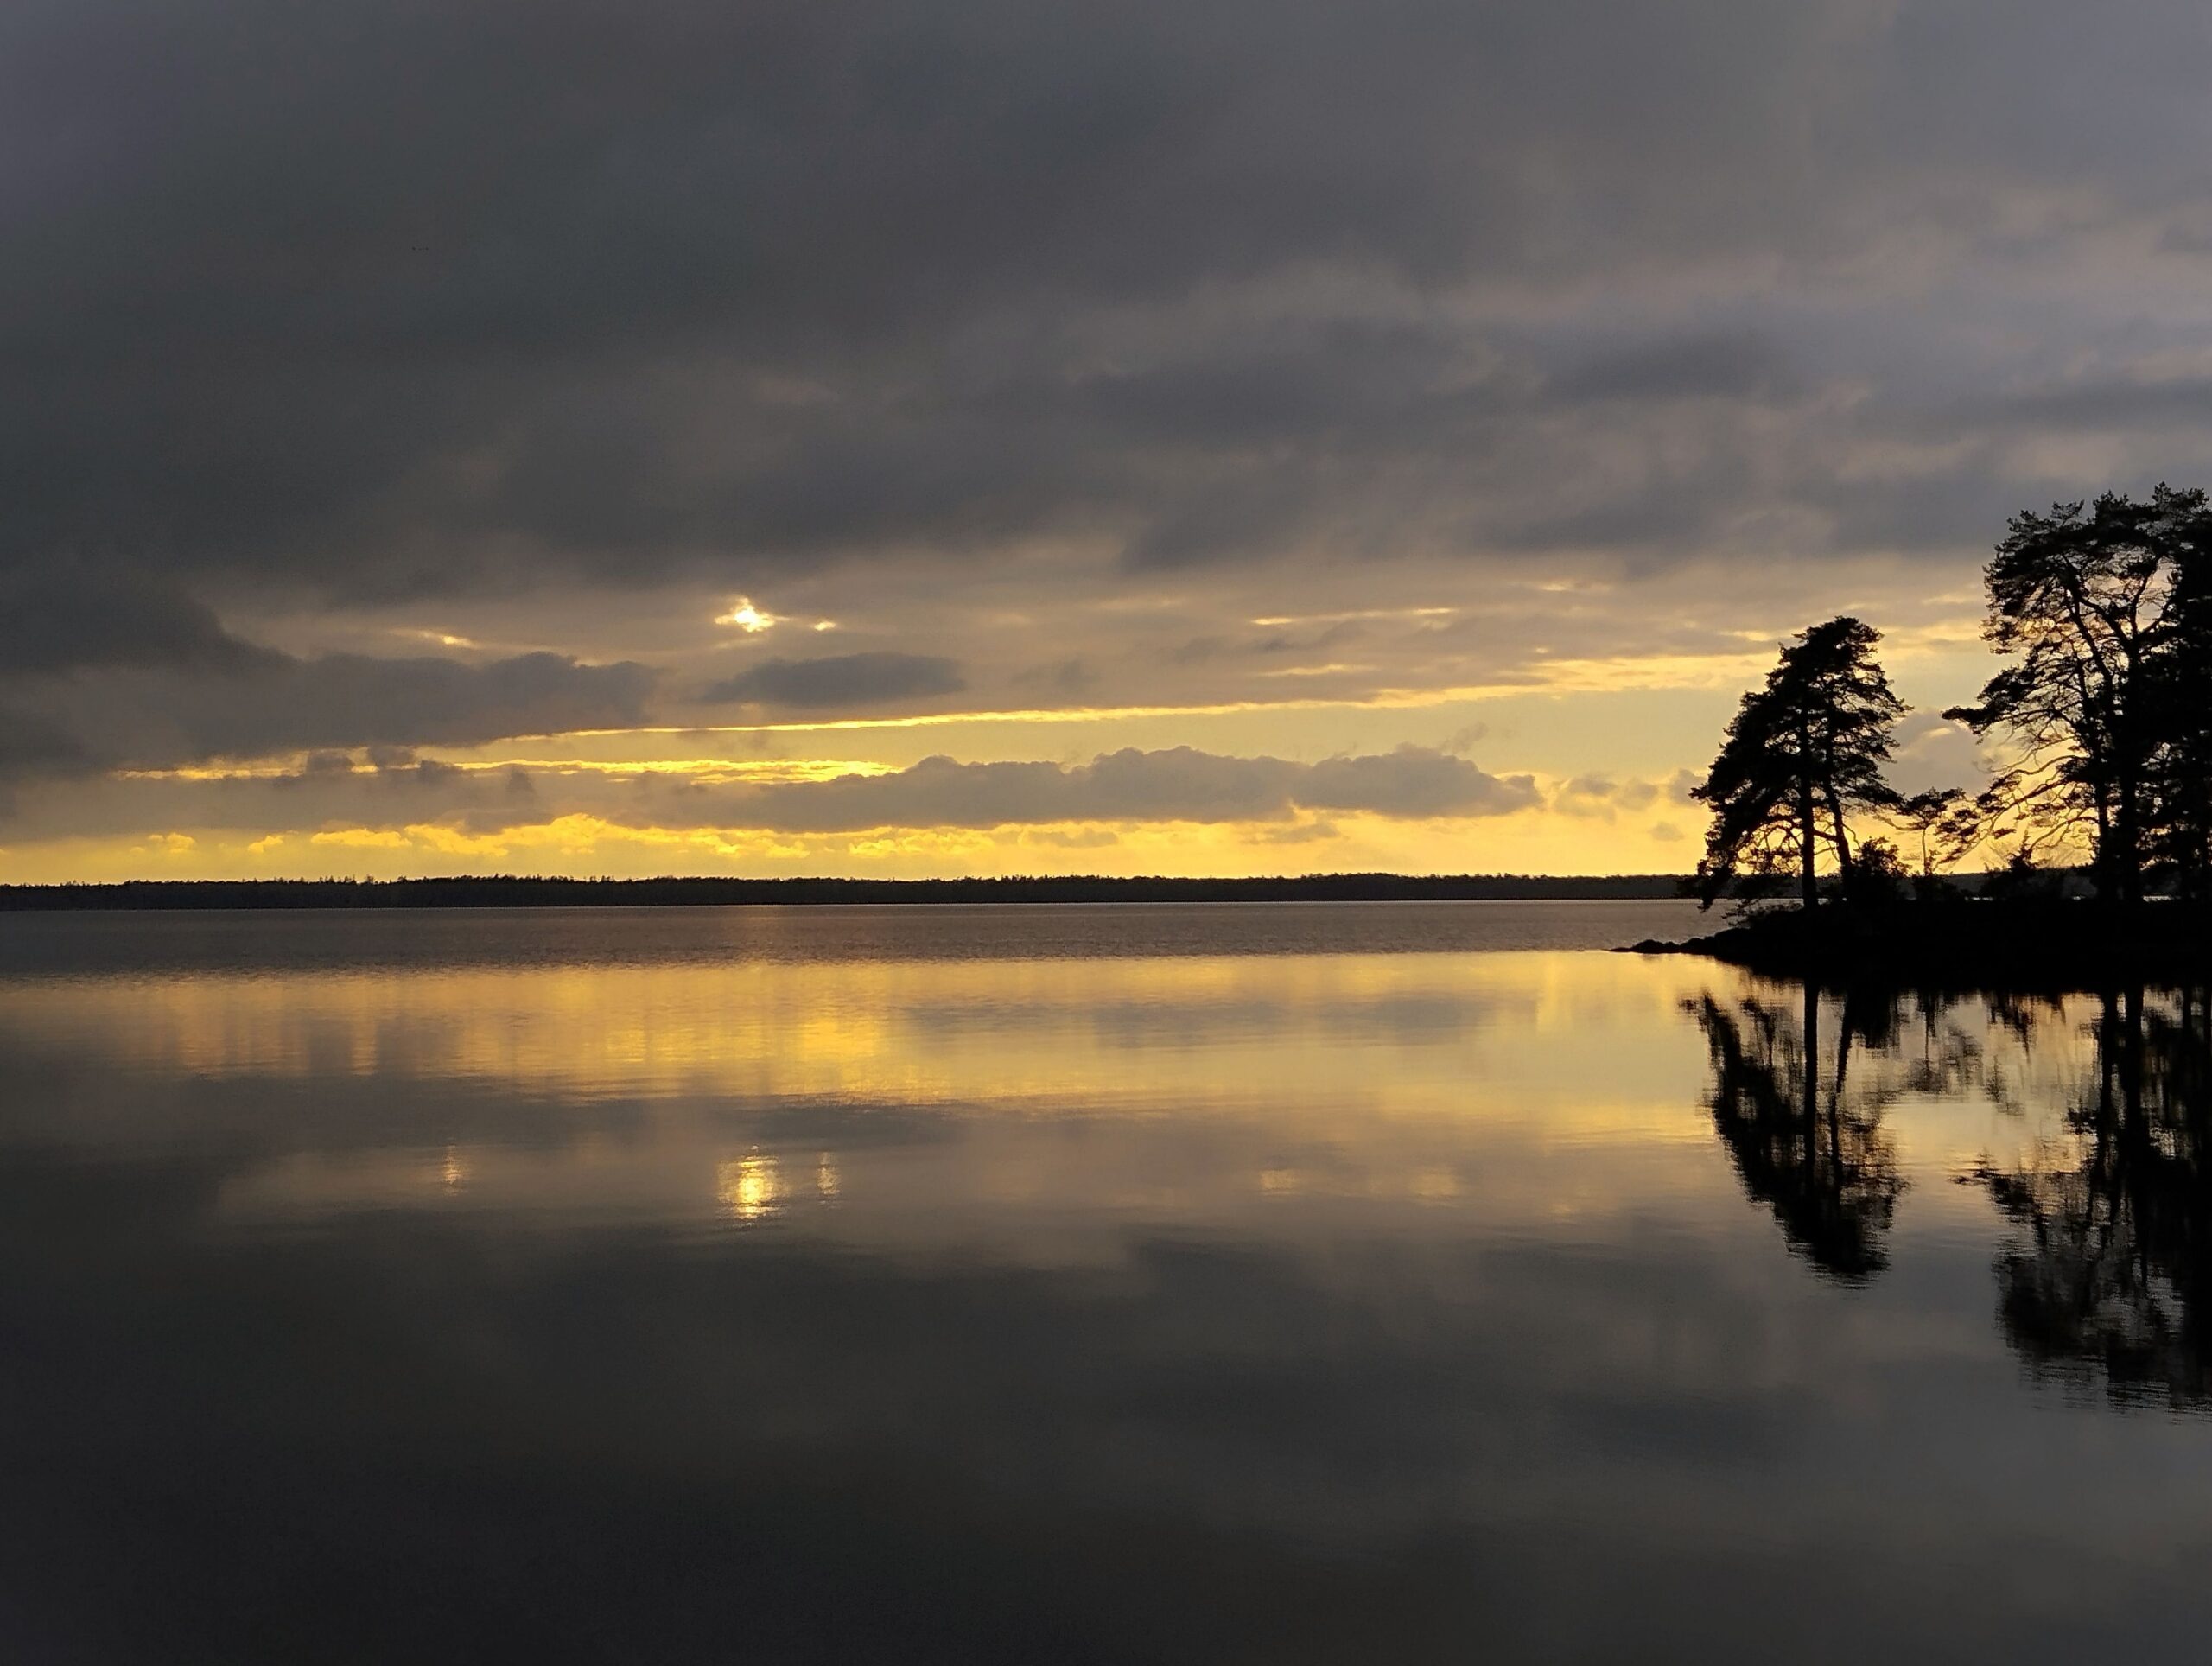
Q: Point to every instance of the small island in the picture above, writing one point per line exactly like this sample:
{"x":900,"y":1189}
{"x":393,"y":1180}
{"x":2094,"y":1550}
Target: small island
{"x":2094,"y":827}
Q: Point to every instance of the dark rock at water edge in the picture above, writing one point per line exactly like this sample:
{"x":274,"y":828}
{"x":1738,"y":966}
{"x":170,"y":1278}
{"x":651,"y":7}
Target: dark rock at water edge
{"x":2054,"y":945}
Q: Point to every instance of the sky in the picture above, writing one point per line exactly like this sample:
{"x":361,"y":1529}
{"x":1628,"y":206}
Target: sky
{"x":907,"y":439}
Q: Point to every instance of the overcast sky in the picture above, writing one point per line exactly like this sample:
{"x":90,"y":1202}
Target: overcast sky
{"x":879,"y":438}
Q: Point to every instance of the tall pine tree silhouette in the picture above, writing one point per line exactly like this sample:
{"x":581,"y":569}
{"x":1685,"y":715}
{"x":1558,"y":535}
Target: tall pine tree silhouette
{"x":1802,"y":754}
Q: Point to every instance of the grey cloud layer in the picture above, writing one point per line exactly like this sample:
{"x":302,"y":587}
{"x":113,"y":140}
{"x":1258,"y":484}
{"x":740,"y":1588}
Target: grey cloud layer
{"x":1174,"y":785}
{"x":257,"y":702}
{"x":1007,"y":309}
{"x":105,"y":666}
{"x":1179,"y":784}
{"x":376,"y":300}
{"x":71,"y":615}
{"x":838,"y":681}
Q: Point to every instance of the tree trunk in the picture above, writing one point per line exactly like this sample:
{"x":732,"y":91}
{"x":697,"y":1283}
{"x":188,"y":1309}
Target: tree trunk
{"x":1808,"y":832}
{"x":2128,"y":843}
{"x":1842,"y":845}
{"x":2104,"y":859}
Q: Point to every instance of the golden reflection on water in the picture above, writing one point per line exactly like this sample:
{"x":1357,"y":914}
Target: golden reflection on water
{"x":912,"y":1031}
{"x":751,"y":1188}
{"x":1503,"y":1088}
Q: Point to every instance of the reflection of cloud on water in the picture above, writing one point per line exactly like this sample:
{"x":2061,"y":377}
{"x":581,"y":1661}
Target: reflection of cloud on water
{"x":1182,"y":1017}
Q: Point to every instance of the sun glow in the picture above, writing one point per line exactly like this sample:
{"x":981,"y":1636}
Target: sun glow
{"x":747,"y":618}
{"x":751,"y":1189}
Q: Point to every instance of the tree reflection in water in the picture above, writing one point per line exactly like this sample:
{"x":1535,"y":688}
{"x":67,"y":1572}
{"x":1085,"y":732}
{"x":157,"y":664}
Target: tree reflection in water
{"x":2110,"y":1279}
{"x":2109,"y":1276}
{"x":1805,"y":1141}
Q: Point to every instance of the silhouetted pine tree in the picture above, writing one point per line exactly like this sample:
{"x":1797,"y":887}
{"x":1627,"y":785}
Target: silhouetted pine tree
{"x":1801,"y":753}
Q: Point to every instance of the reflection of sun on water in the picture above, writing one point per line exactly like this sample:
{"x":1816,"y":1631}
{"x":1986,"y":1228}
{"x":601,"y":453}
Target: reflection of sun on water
{"x":750,"y":1188}
{"x":454,"y":1170}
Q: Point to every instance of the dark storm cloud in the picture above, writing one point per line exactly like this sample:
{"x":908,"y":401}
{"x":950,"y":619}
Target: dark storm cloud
{"x":838,"y":680}
{"x":374,"y":300}
{"x":33,"y":747}
{"x":349,"y":700}
{"x":261,"y":702}
{"x":71,"y":616}
{"x":113,"y":666}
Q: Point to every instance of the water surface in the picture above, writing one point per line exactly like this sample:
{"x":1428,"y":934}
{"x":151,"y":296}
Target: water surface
{"x":1343,"y":1282}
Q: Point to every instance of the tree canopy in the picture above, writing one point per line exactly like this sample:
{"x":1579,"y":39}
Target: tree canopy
{"x":1801,"y":753}
{"x":2105,"y":712}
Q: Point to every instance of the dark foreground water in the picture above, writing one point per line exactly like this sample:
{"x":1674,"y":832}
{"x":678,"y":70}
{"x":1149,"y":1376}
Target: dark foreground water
{"x":1361,"y":1283}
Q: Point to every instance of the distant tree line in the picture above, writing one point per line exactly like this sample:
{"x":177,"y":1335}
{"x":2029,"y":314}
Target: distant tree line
{"x":2102,"y":718}
{"x":523,"y":891}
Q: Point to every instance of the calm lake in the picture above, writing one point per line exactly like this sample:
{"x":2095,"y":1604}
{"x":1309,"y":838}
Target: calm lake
{"x":1341,"y":1283}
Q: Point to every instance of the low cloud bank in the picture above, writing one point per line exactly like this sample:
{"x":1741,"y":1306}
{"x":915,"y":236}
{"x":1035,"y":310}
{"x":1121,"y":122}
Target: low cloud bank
{"x":1179,"y":784}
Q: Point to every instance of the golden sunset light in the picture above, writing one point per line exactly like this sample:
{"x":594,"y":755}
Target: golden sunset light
{"x":1139,"y":832}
